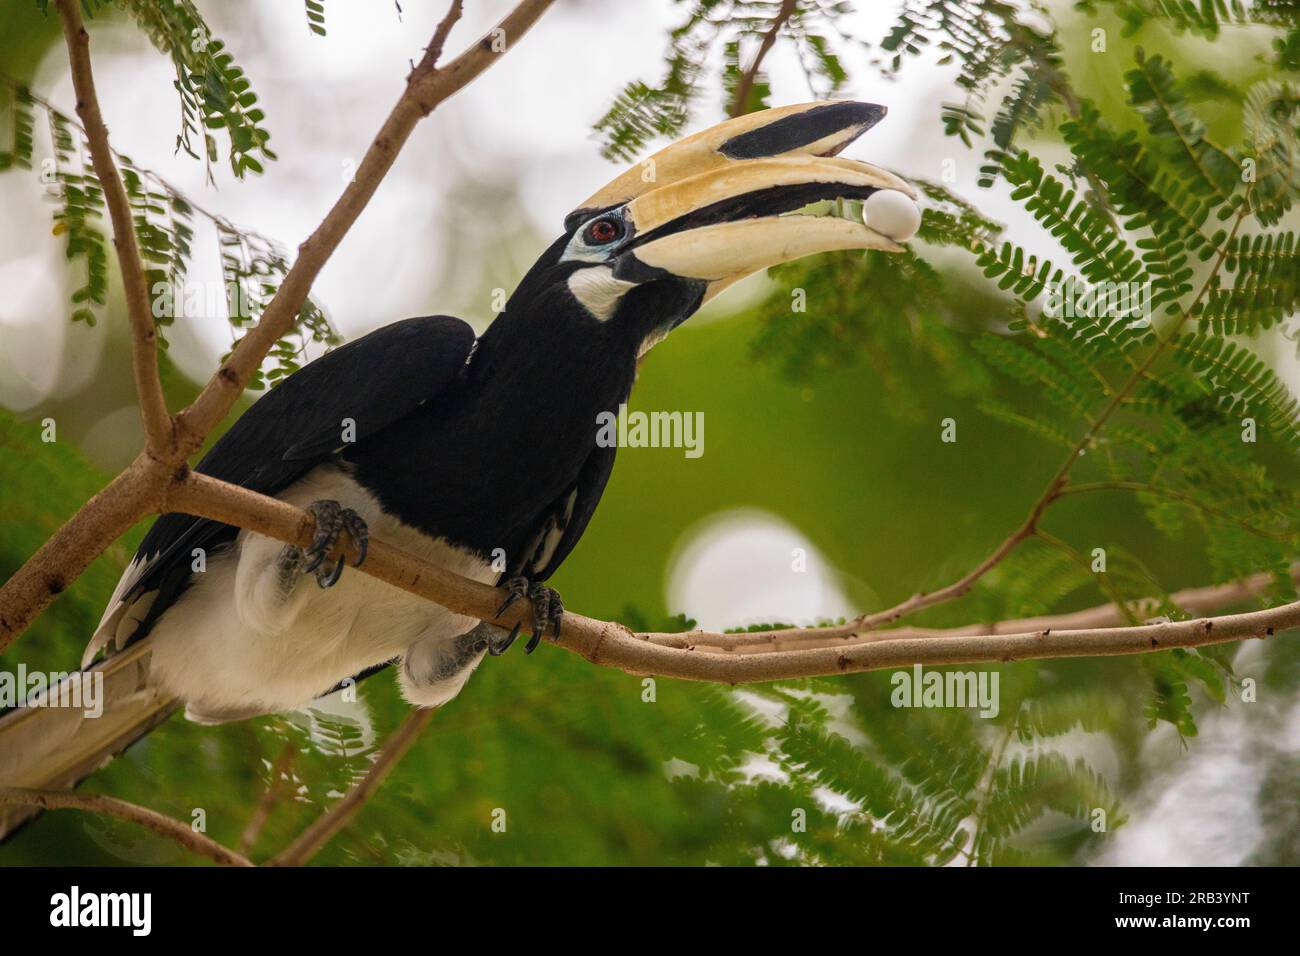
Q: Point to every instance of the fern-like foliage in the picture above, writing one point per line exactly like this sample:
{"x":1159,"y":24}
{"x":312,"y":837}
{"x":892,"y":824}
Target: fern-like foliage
{"x":880,"y":309}
{"x":315,"y":10}
{"x":643,"y":112}
{"x":1177,"y":134}
{"x":79,"y":213}
{"x":1123,"y":344}
{"x":995,"y":46}
{"x":1010,"y":54}
{"x":1209,"y":18}
{"x":214,"y":92}
{"x":874,"y":784}
{"x":252,"y":264}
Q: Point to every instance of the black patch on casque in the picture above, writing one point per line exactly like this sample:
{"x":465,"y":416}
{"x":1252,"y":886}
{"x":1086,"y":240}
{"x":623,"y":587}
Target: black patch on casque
{"x":781,"y":136}
{"x":800,"y":129}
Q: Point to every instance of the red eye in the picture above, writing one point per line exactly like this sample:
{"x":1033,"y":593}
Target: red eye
{"x":602,"y":231}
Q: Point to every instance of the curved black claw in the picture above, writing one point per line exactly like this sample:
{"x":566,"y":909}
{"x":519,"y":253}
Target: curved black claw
{"x":332,"y":519}
{"x":499,"y":647}
{"x":548,"y":609}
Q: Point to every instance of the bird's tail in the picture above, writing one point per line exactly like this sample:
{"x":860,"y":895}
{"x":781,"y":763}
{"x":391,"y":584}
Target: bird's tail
{"x":59,"y":737}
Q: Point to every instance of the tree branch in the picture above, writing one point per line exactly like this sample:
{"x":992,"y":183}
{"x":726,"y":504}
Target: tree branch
{"x":323,"y":828}
{"x":746,"y":82}
{"x":99,"y":803}
{"x":159,"y":480}
{"x":279,"y":782}
{"x":728,"y":660}
{"x":144,"y":335}
{"x":71,"y":549}
{"x":1199,"y":601}
{"x":434,"y":50}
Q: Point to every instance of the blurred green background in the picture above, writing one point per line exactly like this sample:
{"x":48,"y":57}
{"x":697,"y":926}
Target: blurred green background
{"x":586,"y":770}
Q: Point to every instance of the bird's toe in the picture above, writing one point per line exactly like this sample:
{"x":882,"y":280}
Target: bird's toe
{"x":332,"y":520}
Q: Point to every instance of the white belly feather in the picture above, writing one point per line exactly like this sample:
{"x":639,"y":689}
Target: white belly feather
{"x":232,"y":644}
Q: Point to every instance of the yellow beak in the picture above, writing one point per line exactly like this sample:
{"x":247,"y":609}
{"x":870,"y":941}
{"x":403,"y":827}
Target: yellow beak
{"x":749,"y":193}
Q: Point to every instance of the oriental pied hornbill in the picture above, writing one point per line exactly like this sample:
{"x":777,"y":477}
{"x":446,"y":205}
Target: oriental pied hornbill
{"x":431,"y":409}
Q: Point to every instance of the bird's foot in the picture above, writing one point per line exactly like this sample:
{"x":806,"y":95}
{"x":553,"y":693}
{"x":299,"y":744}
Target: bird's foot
{"x":323,"y":556}
{"x":548,"y":610}
{"x":495,"y":640}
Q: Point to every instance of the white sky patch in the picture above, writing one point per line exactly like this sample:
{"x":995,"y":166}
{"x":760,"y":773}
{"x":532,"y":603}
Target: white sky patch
{"x":736,"y":568}
{"x":43,"y":354}
{"x":1201,"y":808}
{"x":676,"y":767}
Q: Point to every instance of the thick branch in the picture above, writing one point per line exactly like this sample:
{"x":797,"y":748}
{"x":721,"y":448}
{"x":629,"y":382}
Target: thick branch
{"x":155,"y":821}
{"x":70,"y":550}
{"x":612,"y":644}
{"x":144,"y":335}
{"x":323,"y":828}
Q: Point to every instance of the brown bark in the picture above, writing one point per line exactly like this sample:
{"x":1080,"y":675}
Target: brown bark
{"x":111,"y":806}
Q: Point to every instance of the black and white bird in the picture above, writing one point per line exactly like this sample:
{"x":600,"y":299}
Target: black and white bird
{"x":477,"y":453}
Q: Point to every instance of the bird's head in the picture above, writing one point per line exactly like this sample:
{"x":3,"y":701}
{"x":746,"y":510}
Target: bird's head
{"x":672,"y":231}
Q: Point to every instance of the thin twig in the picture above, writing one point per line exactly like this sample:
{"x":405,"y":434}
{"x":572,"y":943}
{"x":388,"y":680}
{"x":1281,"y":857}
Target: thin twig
{"x":324,"y":827}
{"x":746,"y":82}
{"x":968,"y":580}
{"x":99,"y":803}
{"x":281,"y":772}
{"x":434,"y":50}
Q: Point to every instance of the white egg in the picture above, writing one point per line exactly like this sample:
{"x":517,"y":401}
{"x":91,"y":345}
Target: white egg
{"x":891,"y":214}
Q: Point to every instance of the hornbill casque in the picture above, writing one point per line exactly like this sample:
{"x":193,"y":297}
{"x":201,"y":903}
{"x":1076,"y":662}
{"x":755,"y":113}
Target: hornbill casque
{"x":402,"y":434}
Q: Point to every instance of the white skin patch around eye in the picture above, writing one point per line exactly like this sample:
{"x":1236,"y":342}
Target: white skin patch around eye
{"x":579,"y":251}
{"x":598,"y":290}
